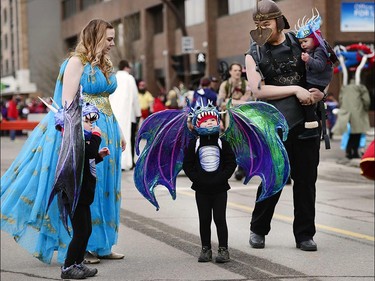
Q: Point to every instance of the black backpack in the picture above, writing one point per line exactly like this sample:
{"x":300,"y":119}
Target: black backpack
{"x":321,"y":106}
{"x":331,"y":53}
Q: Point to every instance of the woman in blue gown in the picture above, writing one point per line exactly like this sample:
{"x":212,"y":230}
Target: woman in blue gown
{"x":27,"y":184}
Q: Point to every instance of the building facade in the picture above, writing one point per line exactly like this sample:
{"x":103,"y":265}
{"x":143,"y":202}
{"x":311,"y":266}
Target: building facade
{"x":31,"y":47}
{"x":15,"y":71}
{"x":150,"y":33}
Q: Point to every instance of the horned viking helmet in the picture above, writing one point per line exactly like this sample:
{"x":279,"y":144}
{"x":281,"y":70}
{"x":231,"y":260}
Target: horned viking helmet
{"x":266,"y":10}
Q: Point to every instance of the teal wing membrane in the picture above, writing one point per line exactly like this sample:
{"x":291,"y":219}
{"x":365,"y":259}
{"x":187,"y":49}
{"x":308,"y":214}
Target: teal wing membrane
{"x":253,"y":134}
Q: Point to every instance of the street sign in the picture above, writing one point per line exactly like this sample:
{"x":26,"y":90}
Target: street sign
{"x":187,"y":44}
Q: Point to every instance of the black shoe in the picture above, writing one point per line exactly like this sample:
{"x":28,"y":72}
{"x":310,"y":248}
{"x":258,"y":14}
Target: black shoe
{"x":289,"y":181}
{"x":132,"y":167}
{"x":206,"y":255}
{"x":239,"y":174}
{"x":89,"y":272}
{"x":309,"y":134}
{"x":308,"y":245}
{"x":256,"y":241}
{"x":222,"y":255}
{"x":72,"y":272}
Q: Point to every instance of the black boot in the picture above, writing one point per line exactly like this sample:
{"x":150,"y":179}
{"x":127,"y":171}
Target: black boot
{"x":239,"y":174}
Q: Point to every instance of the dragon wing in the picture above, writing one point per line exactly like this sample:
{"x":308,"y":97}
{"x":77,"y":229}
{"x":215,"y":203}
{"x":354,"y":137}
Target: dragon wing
{"x":68,"y":175}
{"x":167,"y":137}
{"x":253,"y":135}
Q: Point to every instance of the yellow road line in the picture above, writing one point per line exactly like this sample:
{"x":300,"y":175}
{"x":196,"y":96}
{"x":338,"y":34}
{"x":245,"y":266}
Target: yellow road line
{"x":290,"y":219}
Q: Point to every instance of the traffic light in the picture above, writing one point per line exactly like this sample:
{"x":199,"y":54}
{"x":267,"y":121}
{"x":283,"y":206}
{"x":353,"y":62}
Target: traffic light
{"x":178,"y":64}
{"x":201,"y":63}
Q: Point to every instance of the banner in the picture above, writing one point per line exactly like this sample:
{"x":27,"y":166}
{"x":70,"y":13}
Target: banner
{"x":357,"y":17}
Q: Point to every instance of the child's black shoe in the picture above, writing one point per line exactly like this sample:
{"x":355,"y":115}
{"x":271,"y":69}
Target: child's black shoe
{"x":222,"y":255}
{"x":206,"y":255}
{"x":72,"y":272}
{"x":89,"y":272}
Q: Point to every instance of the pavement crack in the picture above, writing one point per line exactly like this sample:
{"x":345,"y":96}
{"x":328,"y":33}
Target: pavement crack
{"x":29,"y":275}
{"x":244,"y":264}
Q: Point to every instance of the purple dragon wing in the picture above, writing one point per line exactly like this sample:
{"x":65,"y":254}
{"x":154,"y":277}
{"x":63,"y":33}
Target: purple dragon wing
{"x":68,"y":175}
{"x":167,"y":137}
{"x":253,"y":136}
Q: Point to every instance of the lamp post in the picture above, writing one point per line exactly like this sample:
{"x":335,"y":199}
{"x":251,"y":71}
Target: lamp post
{"x":166,"y":72}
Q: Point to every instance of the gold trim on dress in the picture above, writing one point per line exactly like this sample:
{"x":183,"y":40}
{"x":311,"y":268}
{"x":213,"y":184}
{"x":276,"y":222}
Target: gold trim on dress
{"x":101,"y":101}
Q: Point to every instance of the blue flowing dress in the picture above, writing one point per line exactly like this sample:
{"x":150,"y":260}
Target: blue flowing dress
{"x":27,"y":184}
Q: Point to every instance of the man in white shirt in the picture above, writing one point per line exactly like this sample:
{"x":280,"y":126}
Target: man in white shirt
{"x":125,"y":105}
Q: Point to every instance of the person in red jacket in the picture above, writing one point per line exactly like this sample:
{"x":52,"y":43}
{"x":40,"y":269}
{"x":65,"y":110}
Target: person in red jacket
{"x":159,"y":103}
{"x":367,"y":163}
{"x":12,"y":114}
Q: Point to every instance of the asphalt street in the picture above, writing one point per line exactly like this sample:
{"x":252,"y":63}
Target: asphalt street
{"x":164,"y":244}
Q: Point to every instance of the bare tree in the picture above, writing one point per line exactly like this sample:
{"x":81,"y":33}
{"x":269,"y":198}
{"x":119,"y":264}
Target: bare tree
{"x":45,"y":71}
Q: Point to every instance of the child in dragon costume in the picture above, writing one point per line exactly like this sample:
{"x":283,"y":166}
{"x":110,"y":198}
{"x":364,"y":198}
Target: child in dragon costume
{"x":251,"y":141}
{"x":209,"y":163}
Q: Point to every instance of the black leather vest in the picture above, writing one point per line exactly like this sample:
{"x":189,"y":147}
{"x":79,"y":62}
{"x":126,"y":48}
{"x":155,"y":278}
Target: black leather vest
{"x":281,"y":65}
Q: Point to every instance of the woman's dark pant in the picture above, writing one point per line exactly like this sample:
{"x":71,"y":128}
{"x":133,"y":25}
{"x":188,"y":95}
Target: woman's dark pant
{"x":304,"y":159}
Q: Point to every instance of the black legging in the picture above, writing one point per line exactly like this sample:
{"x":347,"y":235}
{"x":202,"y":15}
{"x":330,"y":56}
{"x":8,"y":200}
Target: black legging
{"x":82,"y":228}
{"x":133,"y":134}
{"x":215,"y":204}
{"x":353,"y":146}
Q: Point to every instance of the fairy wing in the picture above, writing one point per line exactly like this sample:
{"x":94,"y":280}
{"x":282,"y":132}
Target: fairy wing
{"x":167,"y":137}
{"x":253,"y":134}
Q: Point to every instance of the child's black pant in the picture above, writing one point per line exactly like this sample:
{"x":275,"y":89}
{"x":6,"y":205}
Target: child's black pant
{"x":216,"y":205}
{"x":82,"y":228}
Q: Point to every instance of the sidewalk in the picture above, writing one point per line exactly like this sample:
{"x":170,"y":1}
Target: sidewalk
{"x":355,"y":162}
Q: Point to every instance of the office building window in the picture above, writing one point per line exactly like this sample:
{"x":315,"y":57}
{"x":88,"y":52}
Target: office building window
{"x":87,"y":3}
{"x":157,"y":18}
{"x":180,"y":7}
{"x":132,"y":29}
{"x":6,"y":67}
{"x":223,"y":9}
{"x":194,"y":12}
{"x":5,"y":15}
{"x":69,"y":8}
{"x":237,"y":6}
{"x":5,"y":41}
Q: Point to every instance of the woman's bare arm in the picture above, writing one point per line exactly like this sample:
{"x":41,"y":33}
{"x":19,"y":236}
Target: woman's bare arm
{"x":71,"y":80}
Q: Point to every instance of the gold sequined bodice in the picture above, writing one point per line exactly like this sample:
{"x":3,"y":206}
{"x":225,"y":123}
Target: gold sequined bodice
{"x":101,"y":101}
